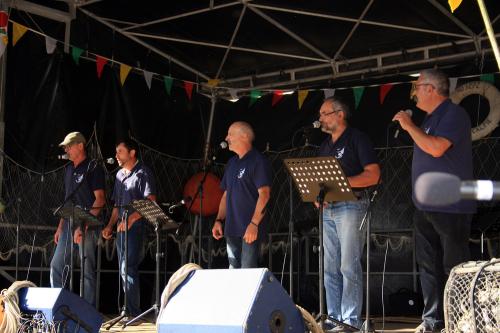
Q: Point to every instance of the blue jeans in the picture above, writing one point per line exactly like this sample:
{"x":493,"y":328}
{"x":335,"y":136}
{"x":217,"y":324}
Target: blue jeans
{"x":136,"y":251}
{"x":343,"y":247}
{"x":242,"y":255}
{"x":442,"y":242}
{"x":59,"y":265}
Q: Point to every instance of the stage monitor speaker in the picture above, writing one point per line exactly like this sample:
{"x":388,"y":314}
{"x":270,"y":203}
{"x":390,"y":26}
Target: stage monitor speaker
{"x":231,"y":300}
{"x":70,"y":312}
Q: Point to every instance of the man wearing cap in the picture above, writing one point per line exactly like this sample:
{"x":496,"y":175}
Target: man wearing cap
{"x":84,"y":187}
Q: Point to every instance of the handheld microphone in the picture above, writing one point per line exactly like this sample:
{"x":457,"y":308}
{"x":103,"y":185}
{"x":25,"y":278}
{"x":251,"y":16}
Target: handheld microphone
{"x":396,"y":123}
{"x":441,"y":189}
{"x":314,"y":124}
{"x":109,"y":160}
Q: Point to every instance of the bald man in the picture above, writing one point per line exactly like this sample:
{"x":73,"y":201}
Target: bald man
{"x":247,"y":188}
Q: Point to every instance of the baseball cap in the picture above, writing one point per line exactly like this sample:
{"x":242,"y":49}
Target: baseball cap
{"x":72,"y":138}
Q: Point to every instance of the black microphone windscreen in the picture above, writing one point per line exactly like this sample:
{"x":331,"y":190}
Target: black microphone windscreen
{"x":437,"y":189}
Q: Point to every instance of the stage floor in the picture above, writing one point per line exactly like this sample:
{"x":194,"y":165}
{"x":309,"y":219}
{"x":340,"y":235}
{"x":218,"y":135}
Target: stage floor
{"x":392,"y":324}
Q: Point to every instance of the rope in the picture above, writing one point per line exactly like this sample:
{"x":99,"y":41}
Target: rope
{"x":175,"y":280}
{"x":311,"y":324}
{"x":10,"y":298}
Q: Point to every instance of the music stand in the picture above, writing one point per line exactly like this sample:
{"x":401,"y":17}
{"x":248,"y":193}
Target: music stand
{"x":320,"y":179}
{"x":152,"y":213}
{"x":87,"y":220}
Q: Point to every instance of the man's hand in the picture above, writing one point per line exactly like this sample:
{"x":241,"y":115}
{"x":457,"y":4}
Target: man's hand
{"x":316,"y":204}
{"x":404,"y":120}
{"x":57,"y":235}
{"x":77,"y":236}
{"x":107,"y":232}
{"x":121,"y":226}
{"x":251,"y":233}
{"x":217,"y":231}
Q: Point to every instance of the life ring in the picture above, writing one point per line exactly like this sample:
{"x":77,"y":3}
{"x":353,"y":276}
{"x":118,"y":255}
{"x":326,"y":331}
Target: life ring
{"x":491,"y":93}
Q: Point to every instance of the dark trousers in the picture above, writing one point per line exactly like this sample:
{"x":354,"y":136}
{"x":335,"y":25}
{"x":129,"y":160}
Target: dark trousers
{"x":442,"y":242}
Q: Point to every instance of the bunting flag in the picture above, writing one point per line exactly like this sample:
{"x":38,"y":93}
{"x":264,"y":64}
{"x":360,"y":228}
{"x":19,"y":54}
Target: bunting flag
{"x":100,"y":62}
{"x":358,"y":93}
{"x":454,"y":4}
{"x":329,"y":93}
{"x":302,"y":94}
{"x":188,"y":86}
{"x":277,"y":96}
{"x":453,"y":84}
{"x":384,"y":90}
{"x":213,"y":83}
{"x":254,"y":95}
{"x":148,"y":76}
{"x":234,"y":94}
{"x":18,"y":31}
{"x":50,"y":44}
{"x":487,"y":78}
{"x":76,"y":53}
{"x":4,"y":37}
{"x":168,"y":84}
{"x":124,"y":71}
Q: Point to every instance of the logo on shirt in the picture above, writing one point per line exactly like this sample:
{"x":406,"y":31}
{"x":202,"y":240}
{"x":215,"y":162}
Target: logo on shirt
{"x":78,"y":178}
{"x":427,"y":130}
{"x":241,"y":173}
{"x":339,"y":153}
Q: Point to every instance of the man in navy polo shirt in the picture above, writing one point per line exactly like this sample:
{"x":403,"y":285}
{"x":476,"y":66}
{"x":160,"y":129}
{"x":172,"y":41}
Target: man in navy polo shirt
{"x":134,"y":181}
{"x":84,"y":187}
{"x":247,"y":187}
{"x":343,"y":241}
{"x":442,"y":143}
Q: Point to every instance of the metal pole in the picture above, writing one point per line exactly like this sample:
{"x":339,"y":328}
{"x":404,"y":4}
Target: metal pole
{"x":489,"y":30}
{"x":290,"y":238}
{"x":209,"y":131}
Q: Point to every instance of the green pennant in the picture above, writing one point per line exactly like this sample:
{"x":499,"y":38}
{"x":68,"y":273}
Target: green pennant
{"x":168,"y":83}
{"x":488,"y":78}
{"x":76,"y":53}
{"x":358,"y":93}
{"x":254,"y":95}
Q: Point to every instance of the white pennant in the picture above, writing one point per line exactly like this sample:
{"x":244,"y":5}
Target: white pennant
{"x":329,"y":93}
{"x":453,"y":84}
{"x":50,"y":44}
{"x":148,"y":76}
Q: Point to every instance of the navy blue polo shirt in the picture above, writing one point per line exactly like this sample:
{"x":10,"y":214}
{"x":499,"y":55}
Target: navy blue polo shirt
{"x":449,"y":121}
{"x":242,"y":179}
{"x":91,"y":177}
{"x":134,"y":185}
{"x":353,"y":150}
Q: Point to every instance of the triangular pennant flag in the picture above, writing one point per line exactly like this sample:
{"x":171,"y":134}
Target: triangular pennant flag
{"x":384,"y":90}
{"x":254,"y":95}
{"x":124,"y":71}
{"x":329,"y":93}
{"x":358,"y":93}
{"x":234,"y":95}
{"x":50,"y":44}
{"x":453,"y":84}
{"x":454,"y":4}
{"x":18,"y":31}
{"x":148,"y":76}
{"x":487,"y":78}
{"x":168,"y":83}
{"x":188,"y":86}
{"x":4,"y":37}
{"x":302,"y":97}
{"x":100,"y":62}
{"x":213,"y":83}
{"x":277,"y":96}
{"x":76,"y":52}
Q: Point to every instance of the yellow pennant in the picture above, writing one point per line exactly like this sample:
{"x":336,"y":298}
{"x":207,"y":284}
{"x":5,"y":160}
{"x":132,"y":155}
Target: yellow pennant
{"x":454,"y":4}
{"x":213,"y":83}
{"x":302,"y":97}
{"x":124,"y":71}
{"x":18,"y":31}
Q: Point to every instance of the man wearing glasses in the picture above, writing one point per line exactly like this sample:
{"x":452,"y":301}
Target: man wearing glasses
{"x":84,"y":187}
{"x":442,"y":143}
{"x":343,"y":241}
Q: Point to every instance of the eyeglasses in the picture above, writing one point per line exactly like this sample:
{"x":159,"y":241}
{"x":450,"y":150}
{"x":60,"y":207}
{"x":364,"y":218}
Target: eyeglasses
{"x":327,"y":113}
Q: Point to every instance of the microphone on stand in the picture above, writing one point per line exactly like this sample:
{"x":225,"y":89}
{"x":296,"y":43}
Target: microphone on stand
{"x":109,"y":160}
{"x":182,"y":202}
{"x":314,"y":124}
{"x":216,"y":150}
{"x":396,"y":123}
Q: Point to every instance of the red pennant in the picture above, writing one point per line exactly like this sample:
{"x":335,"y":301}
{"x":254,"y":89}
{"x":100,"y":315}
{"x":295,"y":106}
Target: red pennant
{"x":384,"y":90}
{"x":188,"y":86}
{"x":100,"y":62}
{"x":277,"y":96}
